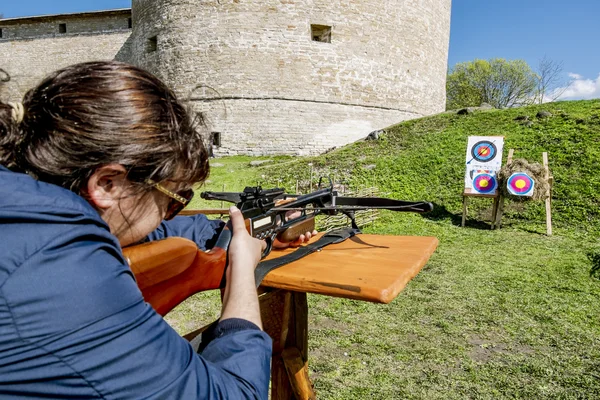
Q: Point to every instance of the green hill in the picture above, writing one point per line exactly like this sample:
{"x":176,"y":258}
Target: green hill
{"x":508,"y":313}
{"x":425,"y":159}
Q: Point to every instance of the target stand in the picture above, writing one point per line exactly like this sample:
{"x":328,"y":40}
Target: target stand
{"x":549,"y":178}
{"x":471,"y":193}
{"x":483,"y":161}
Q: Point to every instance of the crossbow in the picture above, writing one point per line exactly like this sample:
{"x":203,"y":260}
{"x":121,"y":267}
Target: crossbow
{"x":268,"y":211}
{"x":170,"y":270}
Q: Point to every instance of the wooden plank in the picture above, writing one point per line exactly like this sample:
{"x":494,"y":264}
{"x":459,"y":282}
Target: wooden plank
{"x":365,"y":267}
{"x":549,"y":198}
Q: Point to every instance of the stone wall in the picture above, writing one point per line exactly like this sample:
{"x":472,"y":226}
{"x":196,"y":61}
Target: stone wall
{"x":73,"y":24}
{"x":265,"y":127}
{"x":384,"y":55}
{"x":31,"y":48}
{"x":253,"y":67}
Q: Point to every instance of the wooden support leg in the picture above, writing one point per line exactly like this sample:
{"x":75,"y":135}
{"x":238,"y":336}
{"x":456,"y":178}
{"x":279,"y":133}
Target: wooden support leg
{"x":464,"y":216}
{"x":548,"y":199}
{"x":548,"y":216}
{"x":500,"y":211}
{"x":297,"y":370}
{"x":285,"y":319}
{"x":495,"y":210}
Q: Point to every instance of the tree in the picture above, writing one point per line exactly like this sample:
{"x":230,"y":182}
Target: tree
{"x":498,"y":82}
{"x":550,"y":84}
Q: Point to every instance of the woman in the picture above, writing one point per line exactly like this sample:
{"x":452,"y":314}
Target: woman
{"x":96,"y":157}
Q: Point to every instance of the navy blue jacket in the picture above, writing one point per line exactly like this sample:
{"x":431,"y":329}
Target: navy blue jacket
{"x":73,"y":323}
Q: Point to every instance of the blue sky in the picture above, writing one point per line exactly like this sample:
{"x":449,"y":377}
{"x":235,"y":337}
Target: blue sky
{"x":564,"y":31}
{"x":567,"y":31}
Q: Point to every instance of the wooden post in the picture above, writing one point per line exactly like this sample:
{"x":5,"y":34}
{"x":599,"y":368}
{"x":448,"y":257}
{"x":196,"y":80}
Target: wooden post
{"x":464,"y":216}
{"x":549,"y":179}
{"x":511,"y":152}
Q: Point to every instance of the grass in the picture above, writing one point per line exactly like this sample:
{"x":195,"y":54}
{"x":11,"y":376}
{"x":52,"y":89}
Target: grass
{"x":509,"y":313}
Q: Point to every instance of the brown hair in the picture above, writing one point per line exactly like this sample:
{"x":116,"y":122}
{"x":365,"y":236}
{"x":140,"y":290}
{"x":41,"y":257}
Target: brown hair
{"x":93,"y":114}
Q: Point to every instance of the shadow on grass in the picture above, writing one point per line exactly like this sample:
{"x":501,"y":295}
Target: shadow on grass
{"x":594,"y":257}
{"x":440,"y":213}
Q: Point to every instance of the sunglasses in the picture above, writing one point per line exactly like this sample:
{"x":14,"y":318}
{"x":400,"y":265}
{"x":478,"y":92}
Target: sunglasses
{"x":178,"y":200}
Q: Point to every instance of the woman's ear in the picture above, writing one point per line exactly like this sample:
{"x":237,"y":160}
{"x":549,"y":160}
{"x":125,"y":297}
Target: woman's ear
{"x":107,"y":186}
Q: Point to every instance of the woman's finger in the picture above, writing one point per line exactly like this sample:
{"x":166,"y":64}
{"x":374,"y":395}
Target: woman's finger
{"x":237,"y":219}
{"x":297,"y":242}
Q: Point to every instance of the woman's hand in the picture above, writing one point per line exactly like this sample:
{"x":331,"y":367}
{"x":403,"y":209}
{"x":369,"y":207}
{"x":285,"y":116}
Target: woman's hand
{"x":304,"y":238}
{"x":239,"y":297}
{"x":244,"y":250}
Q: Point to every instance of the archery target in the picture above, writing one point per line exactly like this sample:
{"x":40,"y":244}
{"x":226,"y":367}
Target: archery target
{"x":485,"y":183}
{"x":484,"y":151}
{"x":483,"y":156}
{"x":520,"y":184}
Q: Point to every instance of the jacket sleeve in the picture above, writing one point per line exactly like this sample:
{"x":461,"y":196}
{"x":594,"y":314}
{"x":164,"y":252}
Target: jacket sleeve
{"x":84,"y":331}
{"x":197,"y":228}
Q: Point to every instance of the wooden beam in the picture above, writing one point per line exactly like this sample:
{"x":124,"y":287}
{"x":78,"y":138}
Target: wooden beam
{"x":549,"y":194}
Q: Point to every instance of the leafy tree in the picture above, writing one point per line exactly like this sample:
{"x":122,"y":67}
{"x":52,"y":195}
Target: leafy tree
{"x":498,"y":82}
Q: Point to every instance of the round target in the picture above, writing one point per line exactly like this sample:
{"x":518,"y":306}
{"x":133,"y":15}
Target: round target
{"x":520,"y":184}
{"x":484,"y":151}
{"x":485,"y":183}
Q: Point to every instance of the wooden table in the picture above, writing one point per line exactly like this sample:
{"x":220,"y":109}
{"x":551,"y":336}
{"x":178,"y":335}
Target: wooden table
{"x":372,"y":268}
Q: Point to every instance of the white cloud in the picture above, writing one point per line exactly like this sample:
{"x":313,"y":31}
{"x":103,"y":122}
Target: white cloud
{"x":580,"y":88}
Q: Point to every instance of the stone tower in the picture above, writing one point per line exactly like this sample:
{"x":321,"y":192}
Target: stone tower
{"x":297,"y":76}
{"x":272,"y":76}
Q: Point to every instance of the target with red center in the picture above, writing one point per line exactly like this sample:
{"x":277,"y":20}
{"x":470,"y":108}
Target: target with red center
{"x":520,"y":184}
{"x":484,"y":151}
{"x":485,"y":183}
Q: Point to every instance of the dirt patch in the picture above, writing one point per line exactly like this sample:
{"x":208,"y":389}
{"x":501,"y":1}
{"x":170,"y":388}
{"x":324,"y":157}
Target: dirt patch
{"x":485,"y":349}
{"x":328,"y":323}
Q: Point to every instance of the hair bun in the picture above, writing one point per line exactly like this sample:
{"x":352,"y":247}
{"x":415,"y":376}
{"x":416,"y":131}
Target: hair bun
{"x":18,"y":112}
